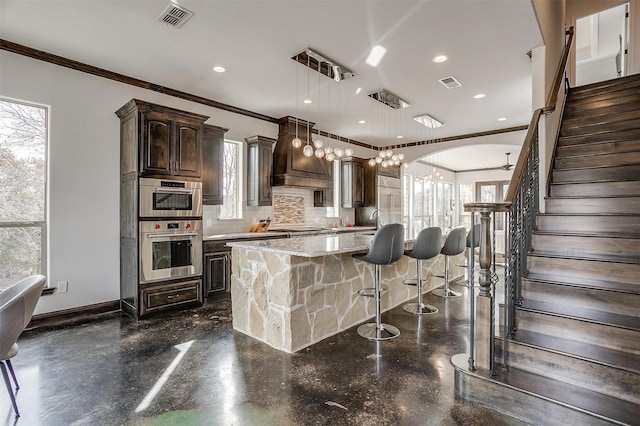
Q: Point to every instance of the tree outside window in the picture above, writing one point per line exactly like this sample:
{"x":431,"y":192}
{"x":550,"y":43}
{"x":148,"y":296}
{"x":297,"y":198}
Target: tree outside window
{"x":23,"y":143}
{"x":232,"y":194}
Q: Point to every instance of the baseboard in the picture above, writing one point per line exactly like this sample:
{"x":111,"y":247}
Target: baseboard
{"x":73,"y":315}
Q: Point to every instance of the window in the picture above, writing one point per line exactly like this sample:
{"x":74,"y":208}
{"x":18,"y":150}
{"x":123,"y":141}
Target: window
{"x":231,"y":181}
{"x":23,"y":171}
{"x":493,"y":192}
{"x":446,"y":206}
{"x":465,"y":195}
{"x":423,"y":209}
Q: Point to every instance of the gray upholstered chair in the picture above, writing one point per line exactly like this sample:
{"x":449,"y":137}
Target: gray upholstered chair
{"x":17,"y":304}
{"x":474,"y":233}
{"x":453,"y":245}
{"x":427,"y":246}
{"x":386,"y":248}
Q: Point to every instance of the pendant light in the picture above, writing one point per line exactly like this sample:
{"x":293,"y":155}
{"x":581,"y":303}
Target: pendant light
{"x":308,"y":149}
{"x":296,"y":142}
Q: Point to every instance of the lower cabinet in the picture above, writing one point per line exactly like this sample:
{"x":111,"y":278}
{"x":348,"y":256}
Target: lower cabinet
{"x":217,"y":273}
{"x":156,"y":297}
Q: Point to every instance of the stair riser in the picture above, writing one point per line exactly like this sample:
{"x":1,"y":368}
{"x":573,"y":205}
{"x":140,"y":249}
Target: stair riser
{"x":599,"y":138}
{"x":582,"y":271}
{"x":616,"y":338}
{"x":610,"y":381}
{"x":582,"y":298}
{"x":593,"y":205}
{"x":624,"y":83}
{"x":604,"y":160}
{"x":599,"y":189}
{"x":626,"y":173}
{"x":629,"y":225}
{"x":583,"y":124}
{"x":521,"y":405}
{"x":571,"y":118}
{"x":586,"y":246}
{"x":606,"y":127}
{"x":598,"y":148}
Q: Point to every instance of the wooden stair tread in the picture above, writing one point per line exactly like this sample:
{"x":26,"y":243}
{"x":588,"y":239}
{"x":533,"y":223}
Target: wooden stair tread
{"x":618,"y":260}
{"x":587,"y":235}
{"x":619,"y":83}
{"x":582,"y":314}
{"x":607,"y":286}
{"x":599,"y":138}
{"x":601,"y":405}
{"x":623,"y":104}
{"x":585,"y":351}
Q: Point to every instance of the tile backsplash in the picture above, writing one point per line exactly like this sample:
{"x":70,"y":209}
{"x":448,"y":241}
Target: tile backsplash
{"x":294,"y":205}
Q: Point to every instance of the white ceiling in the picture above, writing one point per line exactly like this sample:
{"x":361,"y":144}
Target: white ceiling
{"x":474,"y":157}
{"x":486,"y":42}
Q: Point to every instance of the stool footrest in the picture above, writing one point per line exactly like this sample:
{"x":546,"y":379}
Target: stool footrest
{"x":371,"y":291}
{"x":438,"y":275}
{"x":412,"y":282}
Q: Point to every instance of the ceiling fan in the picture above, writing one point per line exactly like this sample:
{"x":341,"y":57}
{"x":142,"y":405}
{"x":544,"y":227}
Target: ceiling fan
{"x":507,"y":166}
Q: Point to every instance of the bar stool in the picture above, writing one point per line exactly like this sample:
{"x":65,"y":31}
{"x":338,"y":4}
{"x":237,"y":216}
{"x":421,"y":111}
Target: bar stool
{"x":386,"y":248}
{"x":427,"y":246}
{"x":470,"y":255}
{"x":453,"y":245}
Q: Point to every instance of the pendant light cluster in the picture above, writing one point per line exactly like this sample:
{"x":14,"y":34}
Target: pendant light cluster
{"x":386,"y":158}
{"x":317,"y":62}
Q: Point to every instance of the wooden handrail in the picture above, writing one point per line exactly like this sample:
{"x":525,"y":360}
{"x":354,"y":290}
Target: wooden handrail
{"x":550,"y":106}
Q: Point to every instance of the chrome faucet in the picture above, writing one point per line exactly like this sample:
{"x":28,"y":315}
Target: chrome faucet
{"x":373,"y":213}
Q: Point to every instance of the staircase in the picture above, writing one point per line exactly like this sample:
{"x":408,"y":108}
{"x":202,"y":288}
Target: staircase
{"x":575,"y":358}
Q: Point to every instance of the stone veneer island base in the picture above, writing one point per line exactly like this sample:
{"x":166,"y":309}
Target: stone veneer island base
{"x":292,"y":293}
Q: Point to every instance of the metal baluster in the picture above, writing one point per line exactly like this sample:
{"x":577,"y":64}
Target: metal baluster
{"x":472,"y":299}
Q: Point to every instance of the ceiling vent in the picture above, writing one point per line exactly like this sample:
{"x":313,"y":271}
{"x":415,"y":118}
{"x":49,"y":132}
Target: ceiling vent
{"x":175,"y":15}
{"x":389,"y":99}
{"x":450,"y":82}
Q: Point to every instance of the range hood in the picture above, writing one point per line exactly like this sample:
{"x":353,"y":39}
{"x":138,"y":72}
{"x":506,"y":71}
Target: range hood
{"x":291,"y":167}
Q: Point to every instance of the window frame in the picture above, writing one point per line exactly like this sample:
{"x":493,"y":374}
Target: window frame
{"x":41,"y":224}
{"x":239,"y":193}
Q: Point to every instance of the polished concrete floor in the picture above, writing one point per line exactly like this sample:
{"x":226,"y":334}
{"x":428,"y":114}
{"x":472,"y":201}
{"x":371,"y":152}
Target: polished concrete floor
{"x":191,"y":368}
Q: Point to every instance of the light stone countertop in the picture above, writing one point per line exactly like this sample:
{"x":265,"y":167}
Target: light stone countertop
{"x":310,"y":246}
{"x":244,"y":235}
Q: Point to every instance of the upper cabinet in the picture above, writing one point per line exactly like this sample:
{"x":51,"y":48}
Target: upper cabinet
{"x":353,"y":182}
{"x":169,"y":142}
{"x":213,"y":165}
{"x":259,"y":169}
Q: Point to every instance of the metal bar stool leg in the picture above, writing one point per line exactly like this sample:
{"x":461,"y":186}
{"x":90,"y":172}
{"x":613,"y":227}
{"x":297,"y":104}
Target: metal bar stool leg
{"x":378,"y":330}
{"x":419,"y":308}
{"x":7,"y":382}
{"x":446,"y":291}
{"x":13,"y":374}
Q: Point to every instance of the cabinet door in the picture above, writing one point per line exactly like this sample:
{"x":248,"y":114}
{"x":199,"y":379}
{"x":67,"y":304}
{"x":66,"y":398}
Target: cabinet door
{"x":217,"y":273}
{"x":252,"y":175}
{"x":212,"y":166}
{"x":156,"y":145}
{"x":188,"y":160}
{"x":265,"y":159}
{"x":358,"y":184}
{"x":346,"y":188}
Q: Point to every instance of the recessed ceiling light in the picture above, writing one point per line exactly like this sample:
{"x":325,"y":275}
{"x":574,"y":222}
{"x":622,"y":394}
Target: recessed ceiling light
{"x":219,"y":69}
{"x":375,"y":56}
{"x":479,"y":96}
{"x":399,"y":137}
{"x":440,"y":58}
{"x":362,"y":122}
{"x":502,"y":118}
{"x":308,"y":101}
{"x":358,"y":90}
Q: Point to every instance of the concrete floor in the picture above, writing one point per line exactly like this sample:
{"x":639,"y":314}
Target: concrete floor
{"x":104,"y":372}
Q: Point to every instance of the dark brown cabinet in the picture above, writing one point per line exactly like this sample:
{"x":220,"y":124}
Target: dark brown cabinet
{"x":259,"y":170}
{"x":169,"y":141}
{"x":217,"y":273}
{"x":353,"y":182}
{"x":323,"y":198}
{"x":212,"y":164}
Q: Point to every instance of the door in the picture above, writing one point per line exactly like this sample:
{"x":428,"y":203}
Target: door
{"x":188,"y":159}
{"x":602,"y":45}
{"x":156,"y":145}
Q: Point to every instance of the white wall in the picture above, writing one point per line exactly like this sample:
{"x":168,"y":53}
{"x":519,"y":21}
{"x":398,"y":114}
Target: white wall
{"x":84,"y":168}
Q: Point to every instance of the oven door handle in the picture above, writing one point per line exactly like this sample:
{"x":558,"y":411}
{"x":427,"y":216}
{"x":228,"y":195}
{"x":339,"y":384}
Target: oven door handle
{"x":173,"y":191}
{"x":186,"y":234}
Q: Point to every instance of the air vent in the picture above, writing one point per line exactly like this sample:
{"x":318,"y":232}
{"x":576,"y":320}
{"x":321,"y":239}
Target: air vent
{"x":175,"y":16}
{"x":389,"y":99}
{"x":450,"y":82}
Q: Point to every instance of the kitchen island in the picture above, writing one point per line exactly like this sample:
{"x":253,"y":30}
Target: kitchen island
{"x":291,"y":293}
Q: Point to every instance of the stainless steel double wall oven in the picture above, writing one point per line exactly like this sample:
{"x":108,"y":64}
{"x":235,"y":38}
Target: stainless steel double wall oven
{"x":170,"y":229}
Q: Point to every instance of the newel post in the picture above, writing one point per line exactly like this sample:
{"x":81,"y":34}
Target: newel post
{"x":482,"y":329}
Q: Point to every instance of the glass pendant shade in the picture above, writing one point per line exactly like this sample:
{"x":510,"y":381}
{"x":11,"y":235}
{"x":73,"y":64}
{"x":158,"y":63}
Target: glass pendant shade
{"x":328,"y":150}
{"x":372,"y":162}
{"x":348,"y":152}
{"x":307,"y":150}
{"x":296,"y":142}
{"x":378,"y":160}
{"x":319,"y":153}
{"x":339,"y":152}
{"x":318,"y":143}
{"x":330,"y":156}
